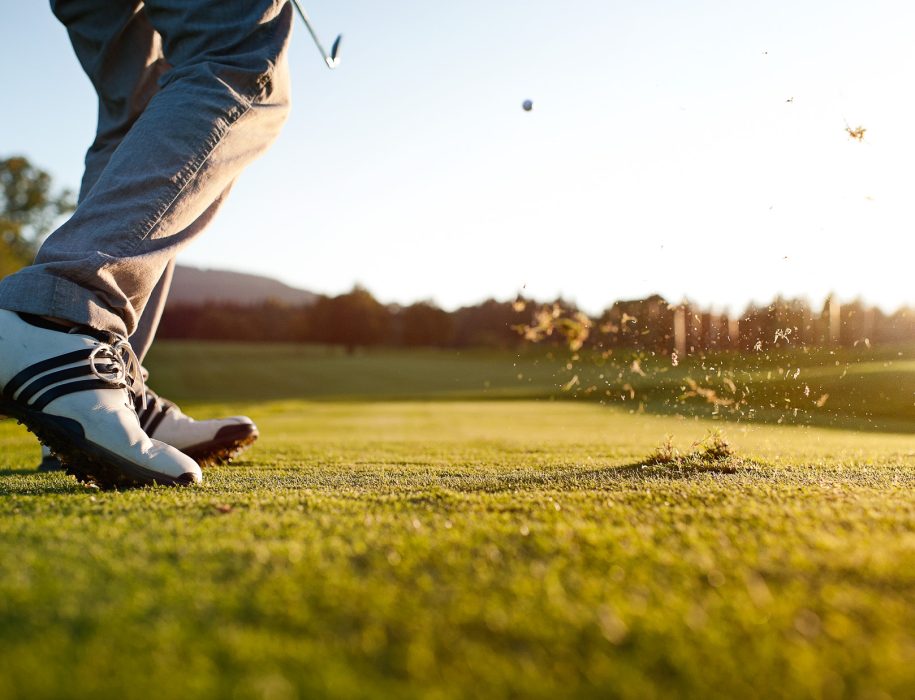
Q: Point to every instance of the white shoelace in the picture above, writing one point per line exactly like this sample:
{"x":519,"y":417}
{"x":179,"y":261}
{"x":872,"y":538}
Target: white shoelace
{"x":128,"y":373}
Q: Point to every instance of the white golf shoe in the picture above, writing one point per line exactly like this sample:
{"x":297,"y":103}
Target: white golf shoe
{"x":75,"y":391}
{"x":207,"y":442}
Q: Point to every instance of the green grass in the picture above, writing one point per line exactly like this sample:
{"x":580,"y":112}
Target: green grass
{"x":861,"y":389}
{"x":462,"y":548}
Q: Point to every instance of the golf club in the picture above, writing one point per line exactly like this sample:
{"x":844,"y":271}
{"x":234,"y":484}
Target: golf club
{"x":331,"y":59}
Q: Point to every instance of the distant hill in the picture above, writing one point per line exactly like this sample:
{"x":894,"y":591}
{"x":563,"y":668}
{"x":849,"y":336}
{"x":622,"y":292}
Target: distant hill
{"x":192,"y":285}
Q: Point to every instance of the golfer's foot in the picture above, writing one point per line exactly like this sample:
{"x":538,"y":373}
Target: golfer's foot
{"x":205,"y":441}
{"x":72,"y":390}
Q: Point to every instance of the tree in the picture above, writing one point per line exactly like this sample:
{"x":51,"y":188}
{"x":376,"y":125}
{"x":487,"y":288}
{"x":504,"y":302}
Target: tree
{"x":424,"y":324}
{"x":490,"y":324}
{"x":28,"y":210}
{"x":354,"y":319}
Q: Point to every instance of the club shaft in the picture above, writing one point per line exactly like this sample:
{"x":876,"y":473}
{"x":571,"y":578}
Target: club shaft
{"x":311,"y":30}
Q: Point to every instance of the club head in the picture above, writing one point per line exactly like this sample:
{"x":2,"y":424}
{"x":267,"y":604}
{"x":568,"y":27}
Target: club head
{"x":334,"y":59}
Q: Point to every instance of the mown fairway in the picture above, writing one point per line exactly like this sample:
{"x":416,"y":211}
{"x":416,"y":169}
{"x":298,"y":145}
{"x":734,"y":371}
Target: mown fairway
{"x":459,"y":548}
{"x":861,"y":388}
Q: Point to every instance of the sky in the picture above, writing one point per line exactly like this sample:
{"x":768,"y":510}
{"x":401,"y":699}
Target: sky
{"x":691,"y":149}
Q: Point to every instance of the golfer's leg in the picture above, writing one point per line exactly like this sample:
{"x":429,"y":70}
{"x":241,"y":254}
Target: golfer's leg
{"x":219,"y":107}
{"x":122,"y":55}
{"x":125,"y":66}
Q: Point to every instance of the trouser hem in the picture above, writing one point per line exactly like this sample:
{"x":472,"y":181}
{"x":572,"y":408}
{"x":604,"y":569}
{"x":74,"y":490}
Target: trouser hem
{"x":47,"y":295}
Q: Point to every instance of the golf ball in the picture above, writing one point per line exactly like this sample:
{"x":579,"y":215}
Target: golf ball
{"x":527,"y":105}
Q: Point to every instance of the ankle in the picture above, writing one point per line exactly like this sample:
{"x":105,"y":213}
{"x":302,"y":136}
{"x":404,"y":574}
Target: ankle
{"x":50,"y":323}
{"x":60,"y":321}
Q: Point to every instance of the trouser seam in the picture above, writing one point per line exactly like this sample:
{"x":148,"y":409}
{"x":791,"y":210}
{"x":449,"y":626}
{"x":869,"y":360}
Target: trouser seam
{"x":56,"y":301}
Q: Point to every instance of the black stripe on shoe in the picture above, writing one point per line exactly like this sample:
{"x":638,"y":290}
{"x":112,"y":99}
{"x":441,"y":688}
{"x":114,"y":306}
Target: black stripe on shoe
{"x":71,"y":388}
{"x":42,"y":383}
{"x":157,"y":419}
{"x":26,"y":375}
{"x":147,"y":413}
{"x":35,"y":387}
{"x":156,"y":409}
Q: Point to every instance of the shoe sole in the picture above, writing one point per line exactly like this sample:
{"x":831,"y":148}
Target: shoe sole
{"x":221,"y":450}
{"x":88,"y":462}
{"x":226,"y":445}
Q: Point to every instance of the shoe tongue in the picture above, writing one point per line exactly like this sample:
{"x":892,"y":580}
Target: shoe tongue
{"x":42,"y":322}
{"x":101,"y":336}
{"x":49,"y":325}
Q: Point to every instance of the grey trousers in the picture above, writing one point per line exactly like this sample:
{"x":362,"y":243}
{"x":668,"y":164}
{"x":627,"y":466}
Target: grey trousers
{"x":190,"y":92}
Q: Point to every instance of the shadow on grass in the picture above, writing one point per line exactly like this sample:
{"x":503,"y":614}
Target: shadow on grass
{"x":399,"y":482}
{"x":403,"y":481}
{"x":644,"y":471}
{"x":235,"y":464}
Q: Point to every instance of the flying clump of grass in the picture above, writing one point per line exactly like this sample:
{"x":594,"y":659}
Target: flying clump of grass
{"x":711,"y":454}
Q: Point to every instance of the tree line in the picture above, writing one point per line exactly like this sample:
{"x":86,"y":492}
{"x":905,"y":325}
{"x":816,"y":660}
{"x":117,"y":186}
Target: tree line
{"x":356,"y":319}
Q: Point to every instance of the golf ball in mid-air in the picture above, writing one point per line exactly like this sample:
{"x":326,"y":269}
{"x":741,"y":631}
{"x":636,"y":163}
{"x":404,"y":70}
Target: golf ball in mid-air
{"x":527,"y":105}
